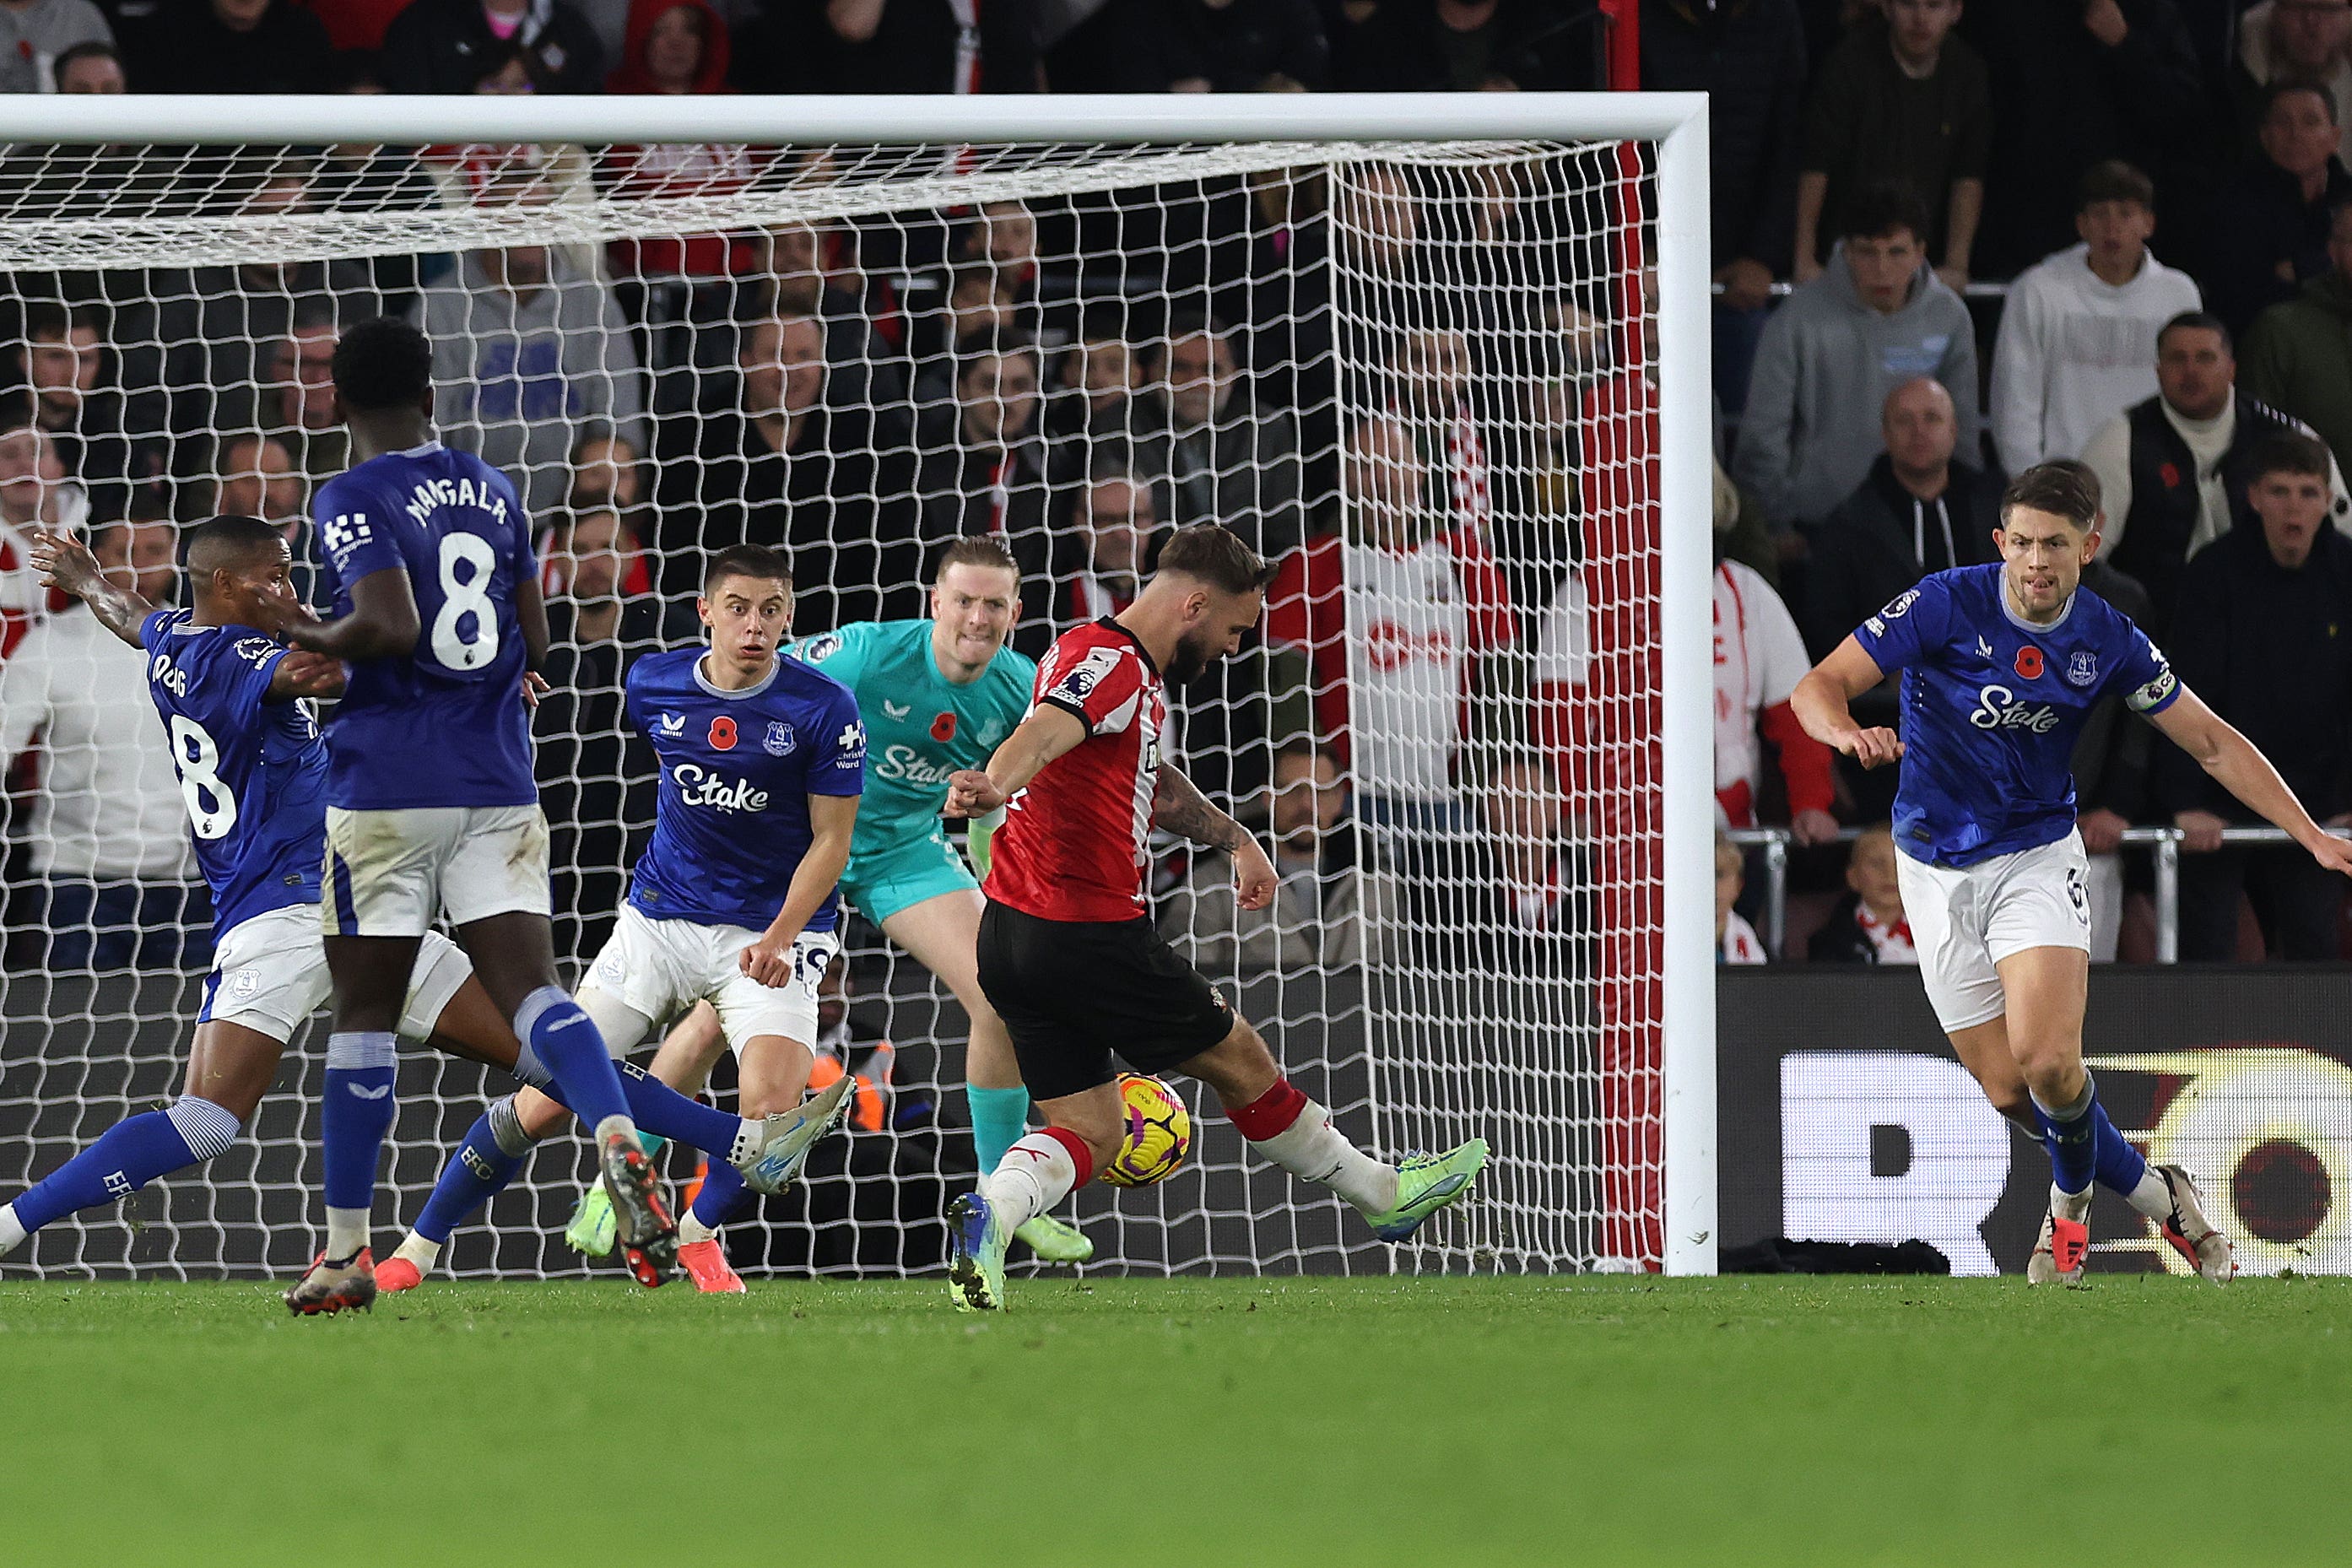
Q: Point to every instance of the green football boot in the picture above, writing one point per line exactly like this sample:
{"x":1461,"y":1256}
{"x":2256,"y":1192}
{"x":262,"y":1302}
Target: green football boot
{"x":593,"y":1229}
{"x":976,"y":1241}
{"x":1425,"y":1184}
{"x":1054,"y":1241}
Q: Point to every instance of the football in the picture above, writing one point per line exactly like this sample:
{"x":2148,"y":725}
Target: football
{"x":1158,"y":1132}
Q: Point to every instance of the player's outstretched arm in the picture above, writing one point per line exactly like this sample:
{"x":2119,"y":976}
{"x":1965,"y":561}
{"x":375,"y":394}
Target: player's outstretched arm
{"x":382,"y":624}
{"x":1179,"y":806}
{"x":2242,"y":769}
{"x":1823,"y":704}
{"x":68,"y":564}
{"x":833,"y":821}
{"x":301,"y":674}
{"x":1040,"y":737}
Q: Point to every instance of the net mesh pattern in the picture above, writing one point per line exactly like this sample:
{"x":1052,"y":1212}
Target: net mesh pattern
{"x":1416,"y":375}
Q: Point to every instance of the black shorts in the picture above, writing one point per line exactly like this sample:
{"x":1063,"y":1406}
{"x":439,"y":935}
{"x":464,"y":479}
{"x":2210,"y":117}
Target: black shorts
{"x":1072,"y":992}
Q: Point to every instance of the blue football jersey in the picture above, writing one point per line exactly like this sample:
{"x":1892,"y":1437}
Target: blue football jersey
{"x":732,"y":819}
{"x":254,"y":771}
{"x":1992,"y":705}
{"x":444,"y":723}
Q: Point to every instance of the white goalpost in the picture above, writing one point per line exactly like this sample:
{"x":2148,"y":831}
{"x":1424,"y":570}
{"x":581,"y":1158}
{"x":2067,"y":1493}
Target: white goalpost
{"x":1443,"y":357}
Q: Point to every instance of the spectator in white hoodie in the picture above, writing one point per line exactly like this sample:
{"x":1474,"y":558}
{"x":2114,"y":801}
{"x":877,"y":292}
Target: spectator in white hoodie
{"x":109,"y":831}
{"x":2077,"y":340}
{"x":33,"y":494}
{"x":1876,"y":318}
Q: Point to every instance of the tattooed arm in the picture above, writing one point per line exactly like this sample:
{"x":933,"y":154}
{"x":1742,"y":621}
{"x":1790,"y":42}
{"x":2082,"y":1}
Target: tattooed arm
{"x":1178,"y":806}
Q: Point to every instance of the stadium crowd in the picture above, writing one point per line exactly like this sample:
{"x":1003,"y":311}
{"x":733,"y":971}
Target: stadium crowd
{"x":1883,"y":158}
{"x":1083,"y":376}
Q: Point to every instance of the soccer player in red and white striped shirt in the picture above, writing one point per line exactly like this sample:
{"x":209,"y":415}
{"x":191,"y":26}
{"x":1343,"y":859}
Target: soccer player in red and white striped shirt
{"x":1069,"y":954}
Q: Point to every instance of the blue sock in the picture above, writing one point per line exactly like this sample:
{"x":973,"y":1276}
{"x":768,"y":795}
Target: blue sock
{"x":357,"y":1116}
{"x":2073,"y":1139}
{"x":723,"y":1194}
{"x":662,"y":1113}
{"x":2117,"y":1166}
{"x":126,"y":1157}
{"x":2121,"y":1167}
{"x":479,"y":1170}
{"x":562,"y":1047}
{"x":999,"y":1117}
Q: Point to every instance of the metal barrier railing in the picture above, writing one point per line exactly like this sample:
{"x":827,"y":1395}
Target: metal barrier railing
{"x":2164,"y":843}
{"x":1977,"y":288}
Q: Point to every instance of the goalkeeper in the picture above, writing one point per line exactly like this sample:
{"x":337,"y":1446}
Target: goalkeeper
{"x":935,"y":696}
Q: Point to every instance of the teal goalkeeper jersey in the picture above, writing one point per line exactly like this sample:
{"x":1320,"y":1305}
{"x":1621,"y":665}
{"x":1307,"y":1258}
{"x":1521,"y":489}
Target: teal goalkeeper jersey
{"x":919,"y":726}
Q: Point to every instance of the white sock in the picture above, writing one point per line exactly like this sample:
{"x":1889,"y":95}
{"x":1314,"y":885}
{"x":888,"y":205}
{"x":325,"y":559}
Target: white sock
{"x":611,"y":1124}
{"x":749,"y":1139}
{"x":691,"y":1230}
{"x":12,"y":1233}
{"x":1035,"y":1174}
{"x":2152,"y":1198}
{"x":347,"y":1233}
{"x":418,"y":1250}
{"x":2075,"y":1206}
{"x":1314,"y":1151}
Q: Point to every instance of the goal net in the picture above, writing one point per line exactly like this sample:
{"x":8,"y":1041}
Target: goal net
{"x":1423,"y":374}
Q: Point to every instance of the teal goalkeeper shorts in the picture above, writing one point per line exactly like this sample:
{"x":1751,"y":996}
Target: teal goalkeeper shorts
{"x":918,"y":866}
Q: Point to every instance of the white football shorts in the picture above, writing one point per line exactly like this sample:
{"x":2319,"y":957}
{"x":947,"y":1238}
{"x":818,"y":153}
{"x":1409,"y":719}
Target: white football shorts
{"x":1965,"y":921}
{"x":392,"y":873}
{"x":661,"y":968}
{"x":269,"y":974}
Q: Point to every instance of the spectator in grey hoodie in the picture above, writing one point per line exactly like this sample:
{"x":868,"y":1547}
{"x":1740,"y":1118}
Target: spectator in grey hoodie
{"x":1877,"y":317}
{"x":529,"y":357}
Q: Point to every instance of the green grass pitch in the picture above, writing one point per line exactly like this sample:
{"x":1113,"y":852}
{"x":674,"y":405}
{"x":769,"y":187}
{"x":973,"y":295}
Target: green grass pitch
{"x":1256,"y":1423}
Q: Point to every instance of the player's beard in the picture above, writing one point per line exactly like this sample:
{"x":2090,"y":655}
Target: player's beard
{"x":1188,"y":661}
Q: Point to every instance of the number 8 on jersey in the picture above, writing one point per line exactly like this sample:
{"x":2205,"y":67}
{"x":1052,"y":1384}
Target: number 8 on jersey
{"x":446,"y":725}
